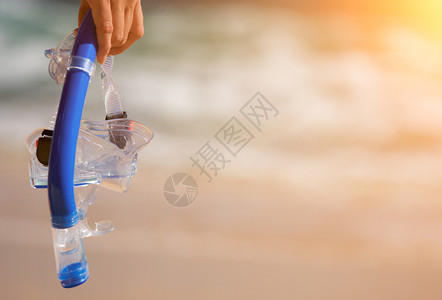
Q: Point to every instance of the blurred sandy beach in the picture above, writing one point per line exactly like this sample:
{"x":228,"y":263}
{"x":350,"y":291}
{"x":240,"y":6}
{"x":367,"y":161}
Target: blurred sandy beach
{"x":247,"y":242}
{"x":337,"y":197}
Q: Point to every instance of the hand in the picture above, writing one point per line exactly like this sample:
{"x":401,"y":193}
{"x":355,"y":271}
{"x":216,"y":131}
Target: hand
{"x":119,"y":23}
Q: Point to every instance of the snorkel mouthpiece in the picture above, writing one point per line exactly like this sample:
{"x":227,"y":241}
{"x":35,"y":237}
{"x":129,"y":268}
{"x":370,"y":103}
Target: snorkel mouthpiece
{"x":70,"y":257}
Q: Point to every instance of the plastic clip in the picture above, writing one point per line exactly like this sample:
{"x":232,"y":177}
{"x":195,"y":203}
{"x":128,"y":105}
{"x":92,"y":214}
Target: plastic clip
{"x":83,"y":64}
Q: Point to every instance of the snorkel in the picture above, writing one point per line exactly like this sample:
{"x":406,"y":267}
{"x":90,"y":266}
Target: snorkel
{"x":81,"y":153}
{"x":70,"y":257}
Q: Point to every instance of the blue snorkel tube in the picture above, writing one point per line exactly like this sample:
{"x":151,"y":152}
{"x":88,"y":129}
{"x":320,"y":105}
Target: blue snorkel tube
{"x":70,"y":257}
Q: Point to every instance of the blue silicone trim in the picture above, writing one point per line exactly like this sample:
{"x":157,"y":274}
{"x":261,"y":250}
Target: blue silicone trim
{"x":74,"y":275}
{"x":64,"y":141}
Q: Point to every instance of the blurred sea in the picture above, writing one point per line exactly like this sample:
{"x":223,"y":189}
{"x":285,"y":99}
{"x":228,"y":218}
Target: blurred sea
{"x":347,"y":91}
{"x":341,"y":190}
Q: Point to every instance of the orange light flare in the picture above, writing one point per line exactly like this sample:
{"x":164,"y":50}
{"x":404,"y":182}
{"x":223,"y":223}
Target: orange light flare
{"x":424,"y":16}
{"x":405,"y":35}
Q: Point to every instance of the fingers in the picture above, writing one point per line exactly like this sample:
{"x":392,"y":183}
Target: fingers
{"x":101,"y":11}
{"x":118,"y":35}
{"x":122,"y":18}
{"x":135,"y":33}
{"x":128,"y":19}
{"x":119,"y":23}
